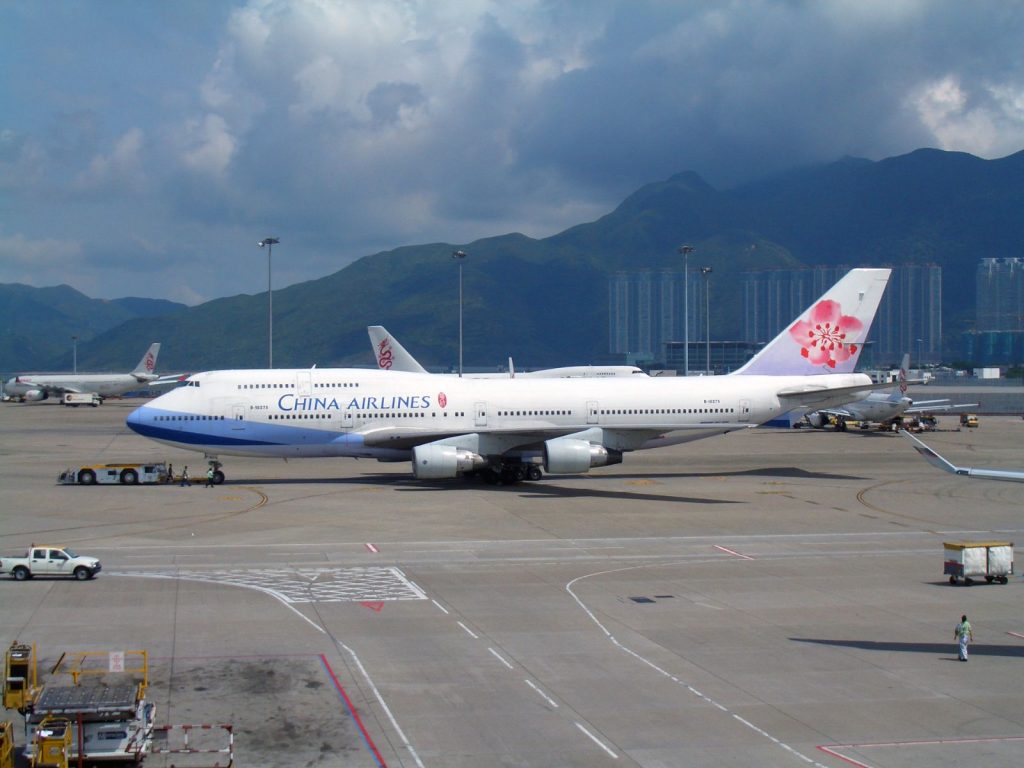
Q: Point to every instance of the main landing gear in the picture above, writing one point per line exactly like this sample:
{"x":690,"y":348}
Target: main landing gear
{"x":510,"y":473}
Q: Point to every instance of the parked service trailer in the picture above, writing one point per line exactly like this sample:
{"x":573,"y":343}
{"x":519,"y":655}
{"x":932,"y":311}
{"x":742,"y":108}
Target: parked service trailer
{"x":969,"y":560}
{"x":75,"y":399}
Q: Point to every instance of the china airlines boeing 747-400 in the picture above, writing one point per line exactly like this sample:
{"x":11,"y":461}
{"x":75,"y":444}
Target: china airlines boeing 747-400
{"x":508,"y":429}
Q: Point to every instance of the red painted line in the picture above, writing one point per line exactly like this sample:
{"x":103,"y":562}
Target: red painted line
{"x":731,"y":552}
{"x":844,"y":758}
{"x":372,"y":548}
{"x":353,"y":713}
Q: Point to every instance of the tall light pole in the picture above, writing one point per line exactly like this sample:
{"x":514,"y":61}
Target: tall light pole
{"x":705,"y":272}
{"x":460,"y":256}
{"x":74,"y":352}
{"x":269,"y":242}
{"x":920,"y":360}
{"x":686,"y":250}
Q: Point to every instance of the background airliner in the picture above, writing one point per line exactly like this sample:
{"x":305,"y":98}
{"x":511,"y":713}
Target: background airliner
{"x":509,"y":428}
{"x":42,"y":386}
{"x":933,"y":458}
{"x":392,"y":356}
{"x":882,"y":407}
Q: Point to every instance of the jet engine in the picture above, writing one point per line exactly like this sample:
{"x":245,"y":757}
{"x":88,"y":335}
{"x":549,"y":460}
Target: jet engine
{"x":816,"y":420}
{"x":36,"y":395}
{"x":568,"y":456}
{"x":435,"y":462}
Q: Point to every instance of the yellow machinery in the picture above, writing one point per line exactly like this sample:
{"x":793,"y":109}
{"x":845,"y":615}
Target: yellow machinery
{"x":20,"y":677}
{"x":53,"y":743}
{"x":6,"y":744}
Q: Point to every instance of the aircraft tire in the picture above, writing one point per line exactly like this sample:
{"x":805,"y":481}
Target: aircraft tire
{"x":218,"y":477}
{"x":534,"y":472}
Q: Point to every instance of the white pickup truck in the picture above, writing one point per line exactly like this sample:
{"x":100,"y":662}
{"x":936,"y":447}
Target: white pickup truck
{"x":50,"y":561}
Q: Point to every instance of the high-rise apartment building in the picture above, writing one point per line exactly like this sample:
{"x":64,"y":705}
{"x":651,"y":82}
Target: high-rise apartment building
{"x":999,"y":294}
{"x":645,"y":311}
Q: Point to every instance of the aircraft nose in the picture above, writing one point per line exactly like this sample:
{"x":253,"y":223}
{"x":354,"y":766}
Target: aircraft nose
{"x":138,"y":418}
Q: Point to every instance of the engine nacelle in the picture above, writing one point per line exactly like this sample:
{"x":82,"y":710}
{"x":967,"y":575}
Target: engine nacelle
{"x":816,"y":420}
{"x":568,"y":456}
{"x":35,"y":395}
{"x":435,"y":462}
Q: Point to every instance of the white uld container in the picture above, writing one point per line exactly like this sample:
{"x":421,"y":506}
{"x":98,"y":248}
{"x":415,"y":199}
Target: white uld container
{"x":969,"y":560}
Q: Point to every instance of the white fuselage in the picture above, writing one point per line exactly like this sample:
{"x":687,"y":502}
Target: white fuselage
{"x":383,"y":414}
{"x":102,"y":384}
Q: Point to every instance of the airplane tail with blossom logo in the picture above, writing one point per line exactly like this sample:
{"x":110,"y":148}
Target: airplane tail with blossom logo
{"x":829,"y":336}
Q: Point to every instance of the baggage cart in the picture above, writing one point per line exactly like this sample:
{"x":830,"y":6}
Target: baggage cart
{"x":969,"y":560}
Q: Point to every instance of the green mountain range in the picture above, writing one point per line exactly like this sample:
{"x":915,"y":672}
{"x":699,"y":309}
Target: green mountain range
{"x":545,"y":302}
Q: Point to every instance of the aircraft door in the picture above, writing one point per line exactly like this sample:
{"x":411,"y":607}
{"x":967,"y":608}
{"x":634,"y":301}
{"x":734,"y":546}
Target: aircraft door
{"x":238,"y":417}
{"x":303,"y":384}
{"x":480,"y":414}
{"x":593,"y":412}
{"x":744,"y":411}
{"x":347,"y":420}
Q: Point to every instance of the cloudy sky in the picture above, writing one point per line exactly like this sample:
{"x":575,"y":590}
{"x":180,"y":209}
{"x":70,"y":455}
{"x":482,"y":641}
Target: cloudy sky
{"x":145,"y":147}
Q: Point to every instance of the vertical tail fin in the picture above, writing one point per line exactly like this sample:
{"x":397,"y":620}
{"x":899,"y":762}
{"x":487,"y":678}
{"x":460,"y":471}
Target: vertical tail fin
{"x":904,"y":369}
{"x":829,"y":335}
{"x":391,"y":355}
{"x":148,"y":362}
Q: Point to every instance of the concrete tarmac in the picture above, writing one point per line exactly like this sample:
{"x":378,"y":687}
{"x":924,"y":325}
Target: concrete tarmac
{"x":770,"y":598}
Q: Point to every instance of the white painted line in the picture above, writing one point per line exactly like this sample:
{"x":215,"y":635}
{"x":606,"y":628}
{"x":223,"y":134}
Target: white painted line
{"x":500,"y":658}
{"x":660,"y":670}
{"x":597,"y":741}
{"x":359,"y":664}
{"x":469,"y":631}
{"x":1015,"y":634}
{"x":372,"y":548}
{"x":546,"y":698}
{"x":732,"y":552}
{"x":438,"y":605}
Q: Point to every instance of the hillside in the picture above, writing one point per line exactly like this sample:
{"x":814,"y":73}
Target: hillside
{"x":544,"y":302}
{"x":38,"y":323}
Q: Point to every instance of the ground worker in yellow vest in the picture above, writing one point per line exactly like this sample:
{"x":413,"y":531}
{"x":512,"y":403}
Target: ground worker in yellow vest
{"x":962,"y":632}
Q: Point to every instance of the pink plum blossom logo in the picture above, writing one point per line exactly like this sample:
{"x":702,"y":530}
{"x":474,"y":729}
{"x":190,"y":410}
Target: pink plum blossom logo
{"x":442,"y":400}
{"x":150,"y":363}
{"x":823,"y":334}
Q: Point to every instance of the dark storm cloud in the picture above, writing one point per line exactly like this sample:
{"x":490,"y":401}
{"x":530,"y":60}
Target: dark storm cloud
{"x":175,"y":137}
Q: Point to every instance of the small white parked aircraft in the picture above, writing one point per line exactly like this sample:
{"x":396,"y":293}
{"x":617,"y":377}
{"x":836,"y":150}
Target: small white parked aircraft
{"x":392,"y":356}
{"x":882,"y":407}
{"x":509,"y":428}
{"x":41,"y":386}
{"x":936,"y":460}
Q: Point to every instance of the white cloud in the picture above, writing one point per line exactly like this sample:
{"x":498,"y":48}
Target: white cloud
{"x":121,"y":169}
{"x":988,"y":122}
{"x":210,"y":145}
{"x":38,"y":262}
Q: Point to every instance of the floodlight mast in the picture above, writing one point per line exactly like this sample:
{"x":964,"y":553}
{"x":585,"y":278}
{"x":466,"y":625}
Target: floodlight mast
{"x":269,"y":242}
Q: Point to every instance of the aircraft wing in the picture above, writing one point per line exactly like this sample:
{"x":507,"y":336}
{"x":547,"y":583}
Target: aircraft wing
{"x":820,"y":395}
{"x":930,"y":406}
{"x":938,"y":461}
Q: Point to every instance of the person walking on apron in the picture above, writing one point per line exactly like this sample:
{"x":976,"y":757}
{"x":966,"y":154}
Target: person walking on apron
{"x":964,"y":635}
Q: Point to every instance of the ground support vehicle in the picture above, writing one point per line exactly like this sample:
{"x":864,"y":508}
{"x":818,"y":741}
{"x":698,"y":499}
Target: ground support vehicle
{"x":968,"y":560}
{"x":107,"y":721}
{"x":114,"y":474}
{"x":50,"y":561}
{"x":75,"y":399}
{"x":968,"y":420}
